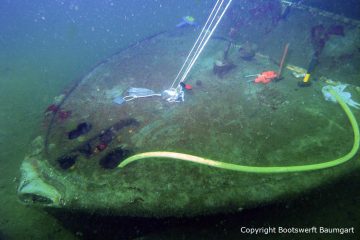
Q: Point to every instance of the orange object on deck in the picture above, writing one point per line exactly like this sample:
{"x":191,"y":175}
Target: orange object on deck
{"x":266,"y":77}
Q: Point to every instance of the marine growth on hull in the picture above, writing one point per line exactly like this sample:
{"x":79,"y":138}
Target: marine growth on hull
{"x":254,"y":97}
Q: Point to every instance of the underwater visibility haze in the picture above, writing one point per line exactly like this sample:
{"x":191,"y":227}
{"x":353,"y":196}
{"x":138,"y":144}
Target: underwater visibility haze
{"x":222,"y":119}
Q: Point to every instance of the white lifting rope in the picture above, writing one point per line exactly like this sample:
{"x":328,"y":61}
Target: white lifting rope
{"x":176,"y":94}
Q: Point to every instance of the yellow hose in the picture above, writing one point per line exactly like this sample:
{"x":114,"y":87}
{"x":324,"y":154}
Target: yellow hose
{"x":255,"y":169}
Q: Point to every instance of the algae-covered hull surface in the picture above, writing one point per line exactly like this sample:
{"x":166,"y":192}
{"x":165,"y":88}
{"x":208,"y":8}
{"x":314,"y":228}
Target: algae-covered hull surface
{"x":230,"y":119}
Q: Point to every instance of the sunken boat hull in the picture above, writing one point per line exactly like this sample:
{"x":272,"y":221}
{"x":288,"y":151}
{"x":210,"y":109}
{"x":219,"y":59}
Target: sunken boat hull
{"x":226,"y":119}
